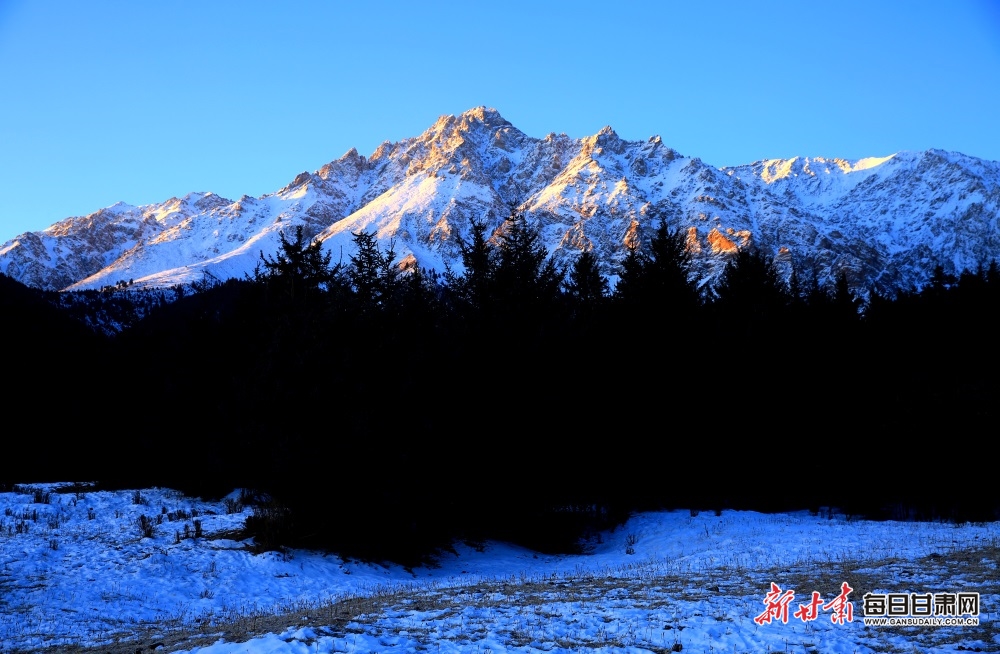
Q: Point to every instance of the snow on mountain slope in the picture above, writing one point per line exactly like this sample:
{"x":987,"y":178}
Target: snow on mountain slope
{"x":885,"y":221}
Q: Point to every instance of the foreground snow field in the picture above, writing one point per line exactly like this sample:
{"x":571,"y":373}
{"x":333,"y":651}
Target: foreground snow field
{"x":82,"y":568}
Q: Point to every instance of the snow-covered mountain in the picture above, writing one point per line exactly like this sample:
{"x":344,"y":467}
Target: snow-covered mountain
{"x":885,"y":221}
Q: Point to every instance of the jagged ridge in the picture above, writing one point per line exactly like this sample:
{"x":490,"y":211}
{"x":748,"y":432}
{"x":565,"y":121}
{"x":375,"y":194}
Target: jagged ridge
{"x":886,"y":221}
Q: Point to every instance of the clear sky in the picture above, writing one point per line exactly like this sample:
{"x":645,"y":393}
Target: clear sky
{"x":139,"y":101}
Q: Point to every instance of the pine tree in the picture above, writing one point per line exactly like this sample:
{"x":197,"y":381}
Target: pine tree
{"x":844,"y":302}
{"x":586,"y":285}
{"x":659,"y":276}
{"x":817,"y":297}
{"x":751,"y":287}
{"x":299,"y":270}
{"x":670,"y":266}
{"x":474,"y":286}
{"x":371,"y":274}
{"x":631,"y":287}
{"x":509,"y":272}
{"x":525,"y":274}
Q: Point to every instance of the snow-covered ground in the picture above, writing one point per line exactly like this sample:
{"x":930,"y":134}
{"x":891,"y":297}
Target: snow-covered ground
{"x":76,"y":569}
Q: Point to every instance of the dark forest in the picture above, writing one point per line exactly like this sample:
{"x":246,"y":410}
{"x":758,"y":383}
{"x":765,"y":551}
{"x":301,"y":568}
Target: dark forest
{"x":384,"y":413}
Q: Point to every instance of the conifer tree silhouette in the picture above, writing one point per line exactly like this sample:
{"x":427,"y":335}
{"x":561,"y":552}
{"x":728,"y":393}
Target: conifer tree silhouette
{"x":299,"y":269}
{"x":372,"y":276}
{"x":660,"y":274}
{"x":586,"y":285}
{"x":525,"y":275}
{"x":751,"y":287}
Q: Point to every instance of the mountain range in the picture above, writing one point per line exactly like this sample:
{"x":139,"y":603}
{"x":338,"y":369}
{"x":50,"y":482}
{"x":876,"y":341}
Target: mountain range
{"x":886,"y":222}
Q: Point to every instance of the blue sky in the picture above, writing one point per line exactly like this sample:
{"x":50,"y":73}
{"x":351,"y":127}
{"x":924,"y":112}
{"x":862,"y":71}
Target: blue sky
{"x":138,"y":101}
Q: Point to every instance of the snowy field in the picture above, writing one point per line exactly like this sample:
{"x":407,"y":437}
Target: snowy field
{"x":81,"y":570}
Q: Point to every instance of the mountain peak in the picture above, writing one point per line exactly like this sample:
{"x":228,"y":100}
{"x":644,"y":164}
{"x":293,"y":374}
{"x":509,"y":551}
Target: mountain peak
{"x":484,"y":114}
{"x":350,"y":160}
{"x":452,"y":140}
{"x":606,"y":139}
